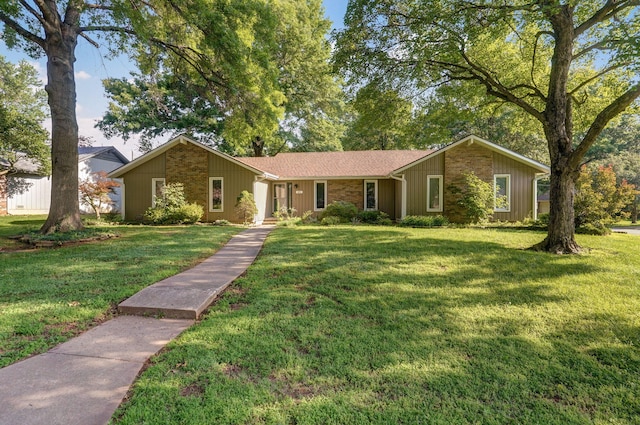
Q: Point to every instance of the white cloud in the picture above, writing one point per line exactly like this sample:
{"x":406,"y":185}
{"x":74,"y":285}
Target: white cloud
{"x":82,"y":75}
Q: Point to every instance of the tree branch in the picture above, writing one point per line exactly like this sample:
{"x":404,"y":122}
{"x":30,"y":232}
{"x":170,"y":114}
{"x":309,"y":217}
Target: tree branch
{"x":601,"y":121}
{"x":8,"y":21}
{"x":607,"y":11}
{"x":497,"y":89}
{"x":598,"y":75}
{"x":33,"y":12}
{"x":601,"y":45}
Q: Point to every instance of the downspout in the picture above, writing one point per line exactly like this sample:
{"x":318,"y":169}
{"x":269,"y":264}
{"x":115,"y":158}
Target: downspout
{"x":403,"y":199}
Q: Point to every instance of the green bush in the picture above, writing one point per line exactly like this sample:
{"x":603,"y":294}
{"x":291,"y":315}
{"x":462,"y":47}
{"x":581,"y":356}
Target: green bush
{"x":246,"y":207}
{"x":172,"y":208}
{"x":476,"y":198}
{"x":597,"y":229}
{"x":374,"y":217}
{"x":345,"y":211}
{"x":330,"y":220}
{"x":424,"y":221}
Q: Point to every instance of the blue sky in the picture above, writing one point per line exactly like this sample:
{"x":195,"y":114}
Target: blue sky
{"x":92,"y":67}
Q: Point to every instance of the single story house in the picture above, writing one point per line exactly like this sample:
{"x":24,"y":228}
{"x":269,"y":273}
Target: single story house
{"x":37,"y":199}
{"x":400,"y":183}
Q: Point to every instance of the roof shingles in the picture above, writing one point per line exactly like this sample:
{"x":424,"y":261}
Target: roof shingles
{"x":306,"y":165}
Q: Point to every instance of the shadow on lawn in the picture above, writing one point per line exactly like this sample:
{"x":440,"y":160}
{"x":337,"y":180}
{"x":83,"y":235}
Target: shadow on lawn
{"x":392,"y":327}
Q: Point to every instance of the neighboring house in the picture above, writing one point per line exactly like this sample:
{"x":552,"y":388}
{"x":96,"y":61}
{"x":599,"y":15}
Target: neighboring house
{"x":21,"y":169}
{"x":399,"y":183}
{"x":37,"y":199}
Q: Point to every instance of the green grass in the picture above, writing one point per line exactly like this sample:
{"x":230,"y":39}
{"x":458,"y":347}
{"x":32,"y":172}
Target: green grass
{"x":50,"y":295}
{"x":367,"y":325}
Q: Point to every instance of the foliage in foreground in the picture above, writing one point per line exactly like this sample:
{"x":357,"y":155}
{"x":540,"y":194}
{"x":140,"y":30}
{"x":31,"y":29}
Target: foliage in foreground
{"x":172,"y":207}
{"x":424,"y":221}
{"x":380,"y":325}
{"x":48,"y":296}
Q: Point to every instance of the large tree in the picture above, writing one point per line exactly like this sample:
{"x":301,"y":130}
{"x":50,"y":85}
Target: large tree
{"x":277,"y":93}
{"x":572,"y":66}
{"x":22,"y":112}
{"x":54,"y":27}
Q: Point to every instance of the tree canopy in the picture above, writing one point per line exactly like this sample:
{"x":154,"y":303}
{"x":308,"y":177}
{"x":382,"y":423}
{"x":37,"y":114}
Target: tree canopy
{"x":257,"y":79}
{"x":571,"y":66}
{"x":22,"y":112}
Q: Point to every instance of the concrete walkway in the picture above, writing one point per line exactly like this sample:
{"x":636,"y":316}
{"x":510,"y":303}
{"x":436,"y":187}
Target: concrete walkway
{"x":84,"y":380}
{"x":628,"y":230}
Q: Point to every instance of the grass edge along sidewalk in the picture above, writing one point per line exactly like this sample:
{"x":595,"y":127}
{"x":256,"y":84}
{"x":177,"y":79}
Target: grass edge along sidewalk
{"x":382,"y":325}
{"x":48,"y":296}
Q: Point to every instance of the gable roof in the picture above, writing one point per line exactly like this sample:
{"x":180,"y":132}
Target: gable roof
{"x":119,"y":172}
{"x":107,"y":153}
{"x":348,"y":164}
{"x":543,"y":169}
{"x":331,"y":165}
{"x":23,"y":165}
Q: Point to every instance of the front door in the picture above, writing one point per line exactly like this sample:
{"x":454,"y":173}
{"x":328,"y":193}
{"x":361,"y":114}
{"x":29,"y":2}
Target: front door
{"x":280,"y":198}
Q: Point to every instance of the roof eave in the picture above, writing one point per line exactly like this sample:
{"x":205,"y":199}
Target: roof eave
{"x":119,"y":172}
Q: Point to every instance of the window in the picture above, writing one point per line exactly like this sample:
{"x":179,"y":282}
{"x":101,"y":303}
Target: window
{"x":320,"y":195}
{"x":502,"y":191}
{"x":434,"y":193}
{"x":371,"y":194}
{"x":216,"y":194}
{"x":157,"y":186}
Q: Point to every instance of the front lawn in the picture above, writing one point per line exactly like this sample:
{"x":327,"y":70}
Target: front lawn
{"x":50,"y":295}
{"x":383,"y":325}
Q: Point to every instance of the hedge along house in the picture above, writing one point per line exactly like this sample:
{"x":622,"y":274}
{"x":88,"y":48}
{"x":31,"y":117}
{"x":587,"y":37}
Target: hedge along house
{"x":400,"y":183}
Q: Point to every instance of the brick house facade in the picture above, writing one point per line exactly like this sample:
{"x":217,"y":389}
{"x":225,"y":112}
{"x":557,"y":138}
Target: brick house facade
{"x":398,"y":183}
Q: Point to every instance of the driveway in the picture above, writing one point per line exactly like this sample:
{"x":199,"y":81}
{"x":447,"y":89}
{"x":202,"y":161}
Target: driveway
{"x":628,"y":230}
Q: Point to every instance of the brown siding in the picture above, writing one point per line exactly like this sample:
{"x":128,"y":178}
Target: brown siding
{"x":398,"y":202}
{"x":453,"y":163}
{"x":302,"y":196}
{"x":3,"y":194}
{"x":522,"y":177}
{"x":416,"y":177}
{"x":137,"y":189}
{"x":235,"y":179}
{"x":192,"y":166}
{"x":386,"y":197}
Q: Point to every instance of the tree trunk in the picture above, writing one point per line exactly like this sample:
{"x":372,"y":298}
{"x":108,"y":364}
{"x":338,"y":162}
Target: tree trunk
{"x":561,"y":234}
{"x":64,"y":212}
{"x":558,"y":128}
{"x":258,"y":147}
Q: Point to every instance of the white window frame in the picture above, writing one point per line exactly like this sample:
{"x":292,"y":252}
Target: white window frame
{"x":221,"y":209}
{"x":507,"y":192}
{"x":440,"y":192}
{"x":375,"y":183}
{"x":315,"y":195}
{"x":154,"y":184}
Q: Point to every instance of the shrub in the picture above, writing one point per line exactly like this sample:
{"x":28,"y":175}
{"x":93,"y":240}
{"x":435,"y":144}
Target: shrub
{"x":597,"y":229}
{"x":307,"y":217}
{"x":246,"y":207}
{"x":343,"y":210}
{"x":476,"y":198}
{"x":599,"y":200}
{"x":374,"y":217}
{"x":330,"y":220}
{"x":424,"y":221}
{"x":172,"y":208}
